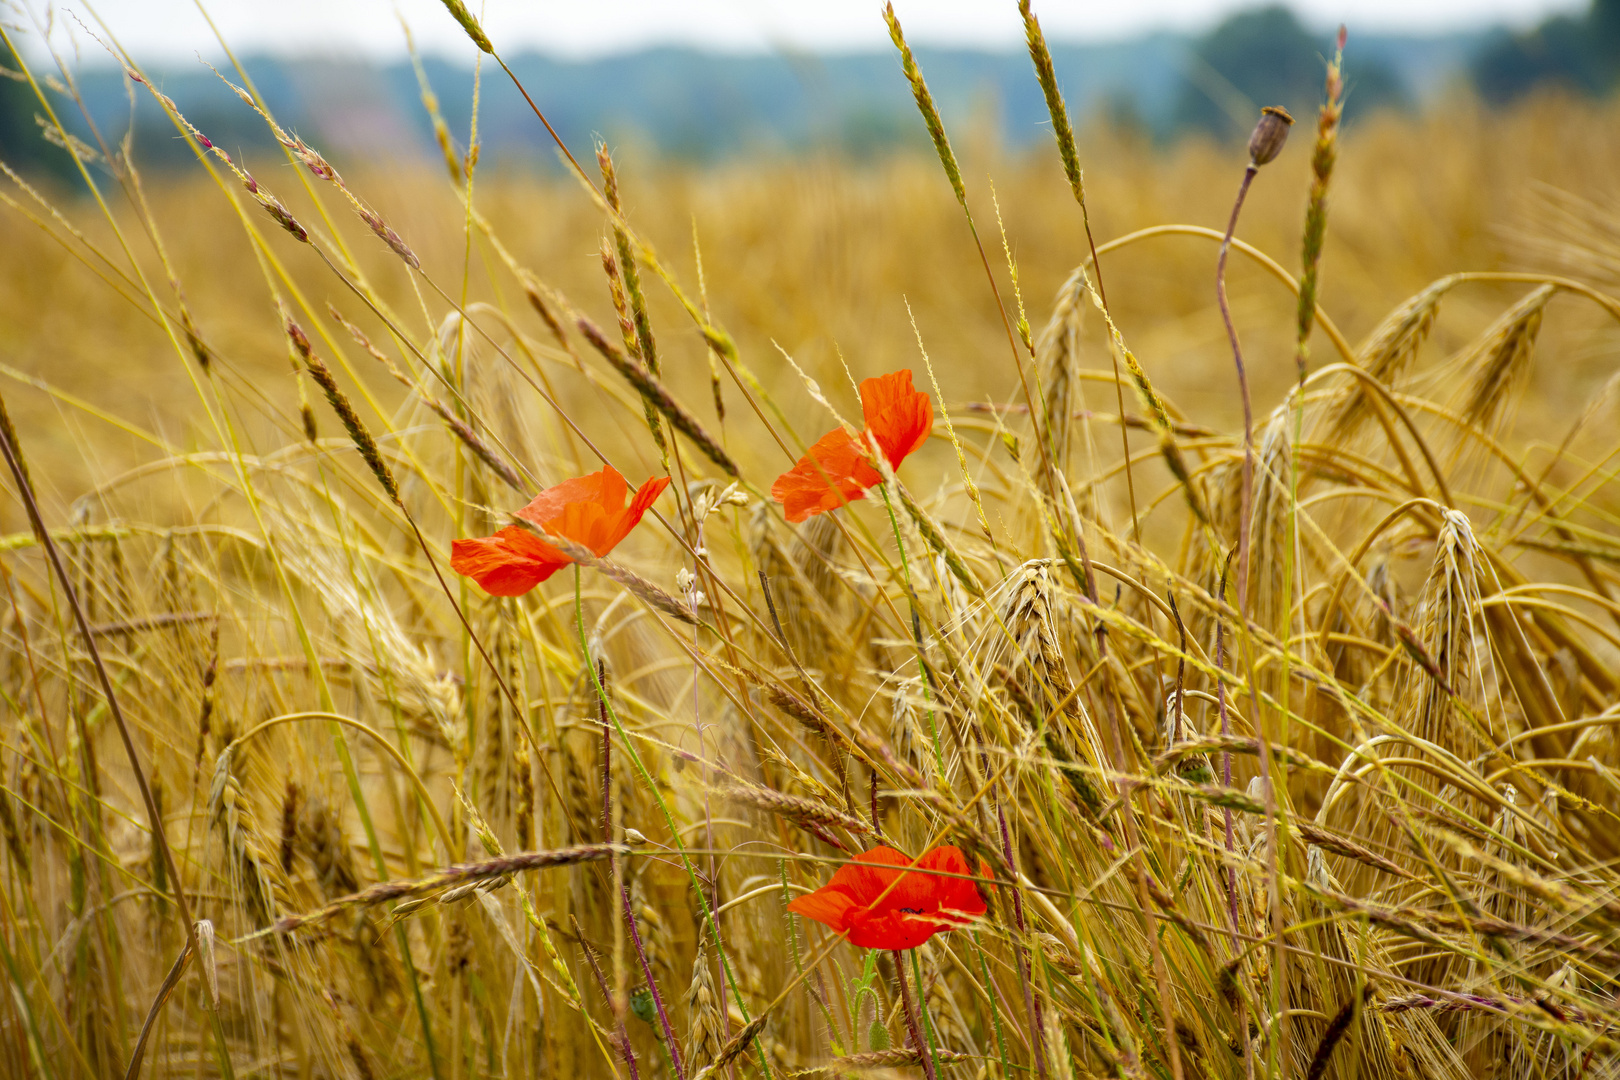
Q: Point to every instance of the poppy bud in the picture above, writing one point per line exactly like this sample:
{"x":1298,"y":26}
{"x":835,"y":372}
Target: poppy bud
{"x":642,"y":1005}
{"x":1269,"y":134}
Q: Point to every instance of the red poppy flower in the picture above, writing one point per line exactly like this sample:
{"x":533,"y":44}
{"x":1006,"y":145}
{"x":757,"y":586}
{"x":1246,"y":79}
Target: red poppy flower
{"x":589,"y":510}
{"x":859,"y":901}
{"x":838,"y":470}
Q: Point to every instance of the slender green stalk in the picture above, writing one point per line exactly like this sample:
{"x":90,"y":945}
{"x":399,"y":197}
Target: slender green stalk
{"x":710,"y":920}
{"x":916,"y":634}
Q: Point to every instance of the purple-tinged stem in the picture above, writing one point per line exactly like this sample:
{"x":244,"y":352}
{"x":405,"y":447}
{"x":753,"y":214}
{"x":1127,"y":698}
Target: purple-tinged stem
{"x":652,"y":984}
{"x":1226,"y":779}
{"x":622,"y":1036}
{"x":877,"y":824}
{"x":1245,"y":508}
{"x":1032,"y":997}
{"x":917,"y":1039}
{"x":1243,"y":387}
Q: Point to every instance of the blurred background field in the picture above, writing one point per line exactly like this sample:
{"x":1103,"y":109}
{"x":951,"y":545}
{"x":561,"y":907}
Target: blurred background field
{"x":819,"y":253}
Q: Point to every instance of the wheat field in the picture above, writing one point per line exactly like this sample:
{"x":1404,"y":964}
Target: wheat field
{"x":1278,"y":716}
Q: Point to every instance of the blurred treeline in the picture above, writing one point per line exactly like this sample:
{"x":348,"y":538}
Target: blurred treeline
{"x":1581,"y":53}
{"x":698,"y":107}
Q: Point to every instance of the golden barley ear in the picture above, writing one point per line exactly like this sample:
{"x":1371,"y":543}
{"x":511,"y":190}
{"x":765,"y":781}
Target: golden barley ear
{"x":1387,"y":356}
{"x":1057,"y":363}
{"x":1499,"y":362}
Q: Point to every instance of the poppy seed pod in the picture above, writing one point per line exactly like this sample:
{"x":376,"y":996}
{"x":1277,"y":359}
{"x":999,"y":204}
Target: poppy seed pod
{"x":1269,"y":134}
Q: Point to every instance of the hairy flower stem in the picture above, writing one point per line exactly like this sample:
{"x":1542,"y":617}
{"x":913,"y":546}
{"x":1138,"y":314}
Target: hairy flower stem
{"x":924,"y":1049}
{"x":1226,"y":759}
{"x":1244,"y":512}
{"x":1226,"y":781}
{"x":1226,"y":811}
{"x":1032,"y":996}
{"x":621,"y":1036}
{"x":1243,"y":388}
{"x":652,"y":984}
{"x":618,"y":999}
{"x":670,"y":1044}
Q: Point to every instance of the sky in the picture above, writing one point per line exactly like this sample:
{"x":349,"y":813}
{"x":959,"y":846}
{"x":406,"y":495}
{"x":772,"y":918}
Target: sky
{"x":172,"y":29}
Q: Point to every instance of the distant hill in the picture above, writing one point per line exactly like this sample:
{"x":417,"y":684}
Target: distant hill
{"x":1267,"y":57}
{"x":1575,"y":52}
{"x":701,"y":106}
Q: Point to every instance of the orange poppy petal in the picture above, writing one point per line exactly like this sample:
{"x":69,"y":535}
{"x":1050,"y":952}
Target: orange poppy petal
{"x":898,"y":416}
{"x":605,"y":488}
{"x":914,"y":892}
{"x":884,"y":900}
{"x":920,"y":891}
{"x":957,"y":899}
{"x":587,"y":523}
{"x":591,"y":510}
{"x":588,"y":510}
{"x":870,"y":875}
{"x":959,"y":894}
{"x":833,"y":473}
{"x":503,"y":564}
{"x":891,"y":930}
{"x":645,"y":496}
{"x":826,"y":905}
{"x":601,"y":528}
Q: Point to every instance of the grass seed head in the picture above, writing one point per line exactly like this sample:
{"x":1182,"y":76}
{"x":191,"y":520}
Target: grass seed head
{"x":926,"y":106}
{"x":458,"y":11}
{"x":358,"y":434}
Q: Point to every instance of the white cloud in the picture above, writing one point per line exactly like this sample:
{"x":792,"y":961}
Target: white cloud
{"x":170,"y":29}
